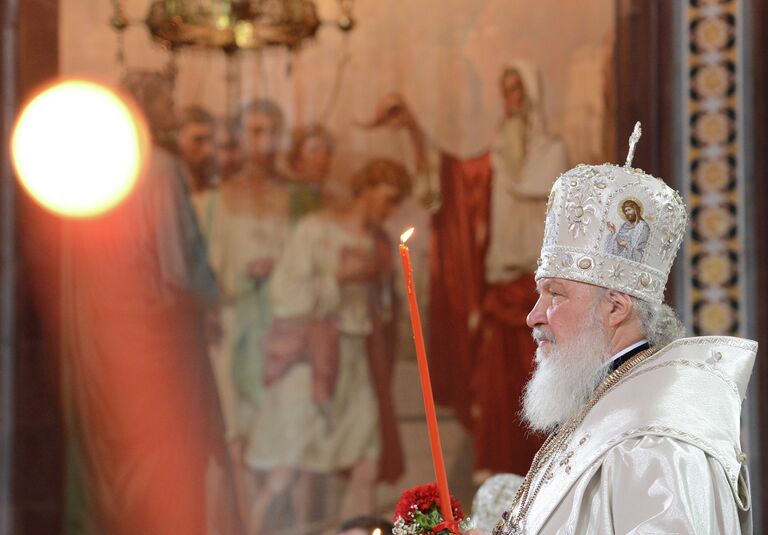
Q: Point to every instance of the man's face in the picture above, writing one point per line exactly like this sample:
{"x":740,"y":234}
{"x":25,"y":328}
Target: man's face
{"x":196,"y":147}
{"x":561,"y":310}
{"x":512,"y":93}
{"x":381,"y":200}
{"x":630,"y":212}
{"x":229,"y":158}
{"x":314,"y":160}
{"x":260,"y":137}
{"x":569,"y":325}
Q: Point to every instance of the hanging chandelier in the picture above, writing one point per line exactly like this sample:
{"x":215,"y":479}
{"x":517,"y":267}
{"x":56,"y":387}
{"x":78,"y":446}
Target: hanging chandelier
{"x":232,"y":25}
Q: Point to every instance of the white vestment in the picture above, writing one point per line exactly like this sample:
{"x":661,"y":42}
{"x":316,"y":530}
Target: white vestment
{"x":660,"y":452}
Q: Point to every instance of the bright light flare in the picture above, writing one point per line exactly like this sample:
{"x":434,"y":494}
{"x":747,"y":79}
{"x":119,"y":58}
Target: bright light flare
{"x":407,"y":234}
{"x":376,"y":531}
{"x":78,"y":148}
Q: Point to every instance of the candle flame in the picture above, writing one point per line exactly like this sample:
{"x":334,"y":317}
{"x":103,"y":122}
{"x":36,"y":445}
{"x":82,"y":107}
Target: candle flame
{"x":376,"y":531}
{"x":407,"y":234}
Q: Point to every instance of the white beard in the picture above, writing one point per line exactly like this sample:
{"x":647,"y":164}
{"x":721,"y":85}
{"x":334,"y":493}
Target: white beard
{"x":566,"y":375}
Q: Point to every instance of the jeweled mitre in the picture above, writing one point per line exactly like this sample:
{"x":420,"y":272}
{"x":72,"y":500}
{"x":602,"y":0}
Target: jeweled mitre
{"x":613,"y":226}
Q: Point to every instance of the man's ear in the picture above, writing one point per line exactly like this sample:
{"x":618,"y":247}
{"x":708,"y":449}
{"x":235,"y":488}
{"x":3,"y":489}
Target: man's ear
{"x":620,"y":307}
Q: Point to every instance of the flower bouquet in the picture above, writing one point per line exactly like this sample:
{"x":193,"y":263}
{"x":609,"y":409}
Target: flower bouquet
{"x":418,"y":512}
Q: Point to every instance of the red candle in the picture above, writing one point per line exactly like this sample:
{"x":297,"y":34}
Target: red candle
{"x":426,"y":385}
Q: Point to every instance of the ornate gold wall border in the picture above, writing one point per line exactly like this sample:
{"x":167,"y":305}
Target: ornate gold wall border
{"x":713,"y":167}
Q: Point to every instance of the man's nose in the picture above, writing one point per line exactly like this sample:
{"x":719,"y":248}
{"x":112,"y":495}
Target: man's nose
{"x":537,"y":315}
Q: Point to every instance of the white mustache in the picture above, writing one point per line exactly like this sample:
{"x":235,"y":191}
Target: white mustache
{"x":542,"y":334}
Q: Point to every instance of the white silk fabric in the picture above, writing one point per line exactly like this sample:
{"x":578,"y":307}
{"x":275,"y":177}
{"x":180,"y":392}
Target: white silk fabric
{"x":660,"y":453}
{"x":650,"y":484}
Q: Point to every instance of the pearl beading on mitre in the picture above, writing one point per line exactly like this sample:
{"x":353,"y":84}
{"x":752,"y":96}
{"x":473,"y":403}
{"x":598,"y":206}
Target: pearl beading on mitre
{"x":590,"y":238}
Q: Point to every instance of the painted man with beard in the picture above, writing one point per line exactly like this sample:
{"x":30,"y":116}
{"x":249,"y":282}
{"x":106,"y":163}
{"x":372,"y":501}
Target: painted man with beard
{"x":632,"y":236}
{"x":643,"y":424}
{"x":194,"y":142}
{"x":245,"y":222}
{"x":145,"y":452}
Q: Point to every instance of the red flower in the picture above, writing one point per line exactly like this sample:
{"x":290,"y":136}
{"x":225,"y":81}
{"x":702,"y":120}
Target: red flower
{"x":424,"y":497}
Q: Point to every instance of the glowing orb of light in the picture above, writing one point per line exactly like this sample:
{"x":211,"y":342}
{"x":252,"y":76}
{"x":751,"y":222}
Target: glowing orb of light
{"x":78,"y":148}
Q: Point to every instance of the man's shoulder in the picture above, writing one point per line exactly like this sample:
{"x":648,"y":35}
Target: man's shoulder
{"x":162,"y":154}
{"x":728,"y":358}
{"x":689,"y":392}
{"x":316,"y":229}
{"x":162,"y":163}
{"x":680,"y":385}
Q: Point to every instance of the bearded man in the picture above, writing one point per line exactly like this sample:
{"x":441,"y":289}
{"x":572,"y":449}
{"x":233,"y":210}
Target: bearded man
{"x":632,"y":236}
{"x":145,"y":448}
{"x":644,"y":424}
{"x":195,"y":145}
